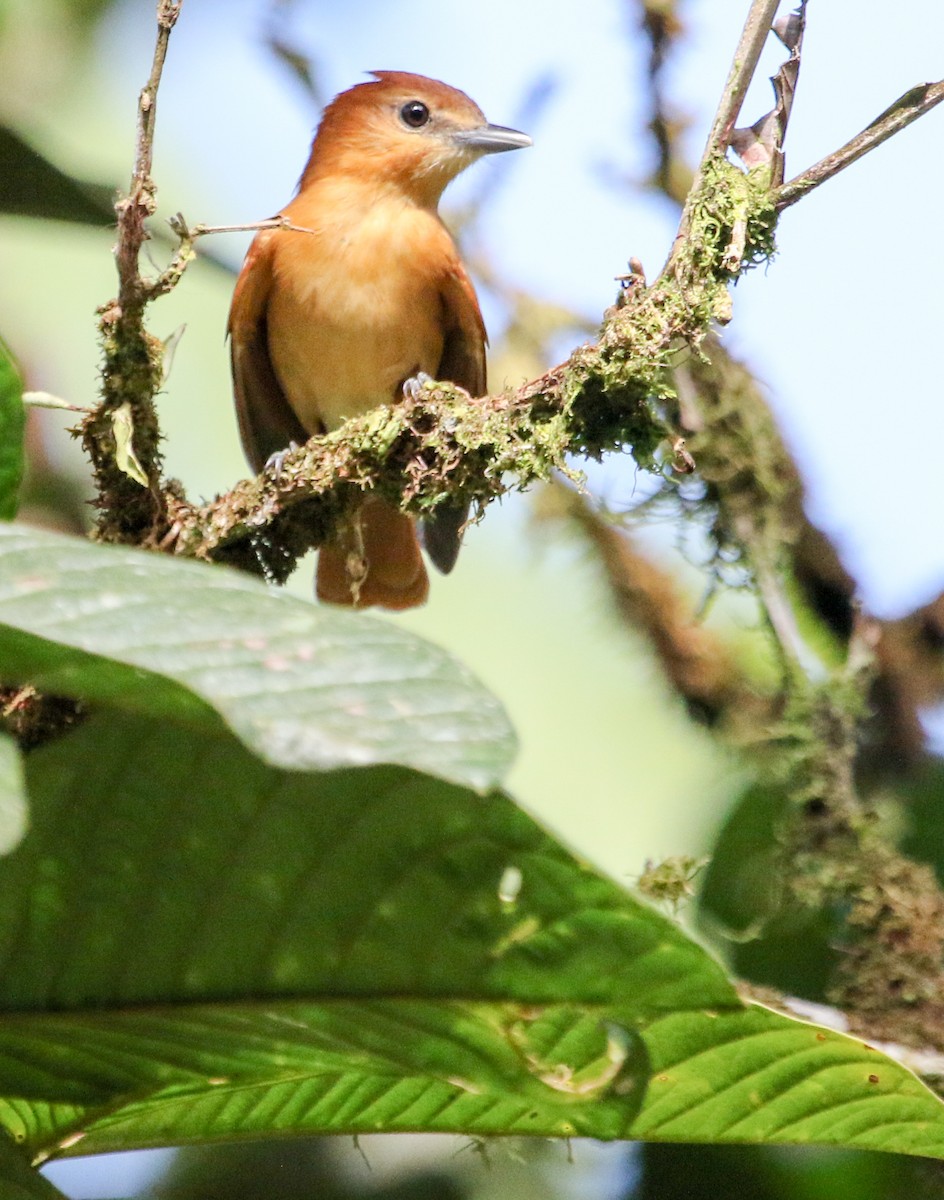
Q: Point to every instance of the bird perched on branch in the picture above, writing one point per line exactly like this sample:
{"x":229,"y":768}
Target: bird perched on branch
{"x":366,"y":298}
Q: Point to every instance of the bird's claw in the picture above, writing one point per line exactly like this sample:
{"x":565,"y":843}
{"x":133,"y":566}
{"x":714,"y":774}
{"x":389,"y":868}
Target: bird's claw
{"x":275,"y":462}
{"x":414,"y":385}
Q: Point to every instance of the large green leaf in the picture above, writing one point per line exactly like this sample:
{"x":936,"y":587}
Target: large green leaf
{"x":12,"y":428}
{"x":363,"y":1066}
{"x":173,"y":866}
{"x":302,"y":686}
{"x":194,"y":946}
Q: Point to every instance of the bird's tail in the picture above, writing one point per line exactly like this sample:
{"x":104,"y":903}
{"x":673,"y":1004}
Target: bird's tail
{"x":377,"y":561}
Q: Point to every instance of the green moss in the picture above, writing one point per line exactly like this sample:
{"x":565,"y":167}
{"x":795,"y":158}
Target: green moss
{"x":445,"y":448}
{"x":131,"y":373}
{"x":732,"y":209}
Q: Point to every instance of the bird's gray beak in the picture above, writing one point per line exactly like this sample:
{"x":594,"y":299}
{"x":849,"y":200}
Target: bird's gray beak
{"x":491,"y":139}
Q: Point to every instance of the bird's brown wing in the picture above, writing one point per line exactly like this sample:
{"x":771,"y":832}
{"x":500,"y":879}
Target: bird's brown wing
{"x":463,"y":363}
{"x":266,"y":421}
{"x":463,"y":357}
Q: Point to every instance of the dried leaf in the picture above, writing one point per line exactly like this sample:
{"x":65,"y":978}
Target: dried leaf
{"x":761,"y":144}
{"x":127,"y":460}
{"x":789,"y":28}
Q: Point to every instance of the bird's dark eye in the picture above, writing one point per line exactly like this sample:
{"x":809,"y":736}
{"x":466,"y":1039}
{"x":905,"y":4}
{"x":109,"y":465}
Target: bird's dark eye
{"x":414,"y":113}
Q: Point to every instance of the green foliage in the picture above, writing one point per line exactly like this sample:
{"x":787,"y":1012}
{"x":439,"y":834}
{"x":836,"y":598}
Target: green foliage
{"x":12,"y":428}
{"x":227,"y":920}
{"x":303,"y":687}
{"x":710,"y":1172}
{"x":746,"y":899}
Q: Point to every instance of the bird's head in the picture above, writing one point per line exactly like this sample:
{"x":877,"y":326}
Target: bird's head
{"x":407,"y":131}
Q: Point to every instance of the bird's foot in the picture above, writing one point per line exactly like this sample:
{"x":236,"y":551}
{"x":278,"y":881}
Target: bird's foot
{"x":275,"y":462}
{"x":414,"y":385}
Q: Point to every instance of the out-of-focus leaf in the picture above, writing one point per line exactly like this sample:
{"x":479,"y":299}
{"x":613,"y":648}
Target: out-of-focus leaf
{"x":32,"y":186}
{"x":764,"y":1173}
{"x":743,"y":905}
{"x":924,"y":836}
{"x":12,"y":795}
{"x":304,"y":687}
{"x":12,"y":429}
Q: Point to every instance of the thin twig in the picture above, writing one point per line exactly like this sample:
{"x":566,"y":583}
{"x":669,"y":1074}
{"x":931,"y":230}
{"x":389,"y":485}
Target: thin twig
{"x":907,"y":108}
{"x":253,"y":227}
{"x":134,"y":209}
{"x":185,"y":254}
{"x":746,"y":56}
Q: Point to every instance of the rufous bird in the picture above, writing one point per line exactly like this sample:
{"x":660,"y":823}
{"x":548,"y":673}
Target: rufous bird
{"x":365,"y":298}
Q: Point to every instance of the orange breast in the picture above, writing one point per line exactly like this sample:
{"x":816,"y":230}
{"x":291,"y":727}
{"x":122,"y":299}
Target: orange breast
{"x":356,"y":307}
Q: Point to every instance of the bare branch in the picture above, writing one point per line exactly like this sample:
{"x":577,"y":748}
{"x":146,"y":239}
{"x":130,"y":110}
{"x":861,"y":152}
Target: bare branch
{"x":135,"y":208}
{"x":746,"y":56}
{"x":907,"y":108}
{"x":185,"y":253}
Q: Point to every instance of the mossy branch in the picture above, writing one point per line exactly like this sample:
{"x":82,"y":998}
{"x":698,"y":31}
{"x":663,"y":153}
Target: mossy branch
{"x":132,"y":502}
{"x":607,"y":396}
{"x":846,"y":711}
